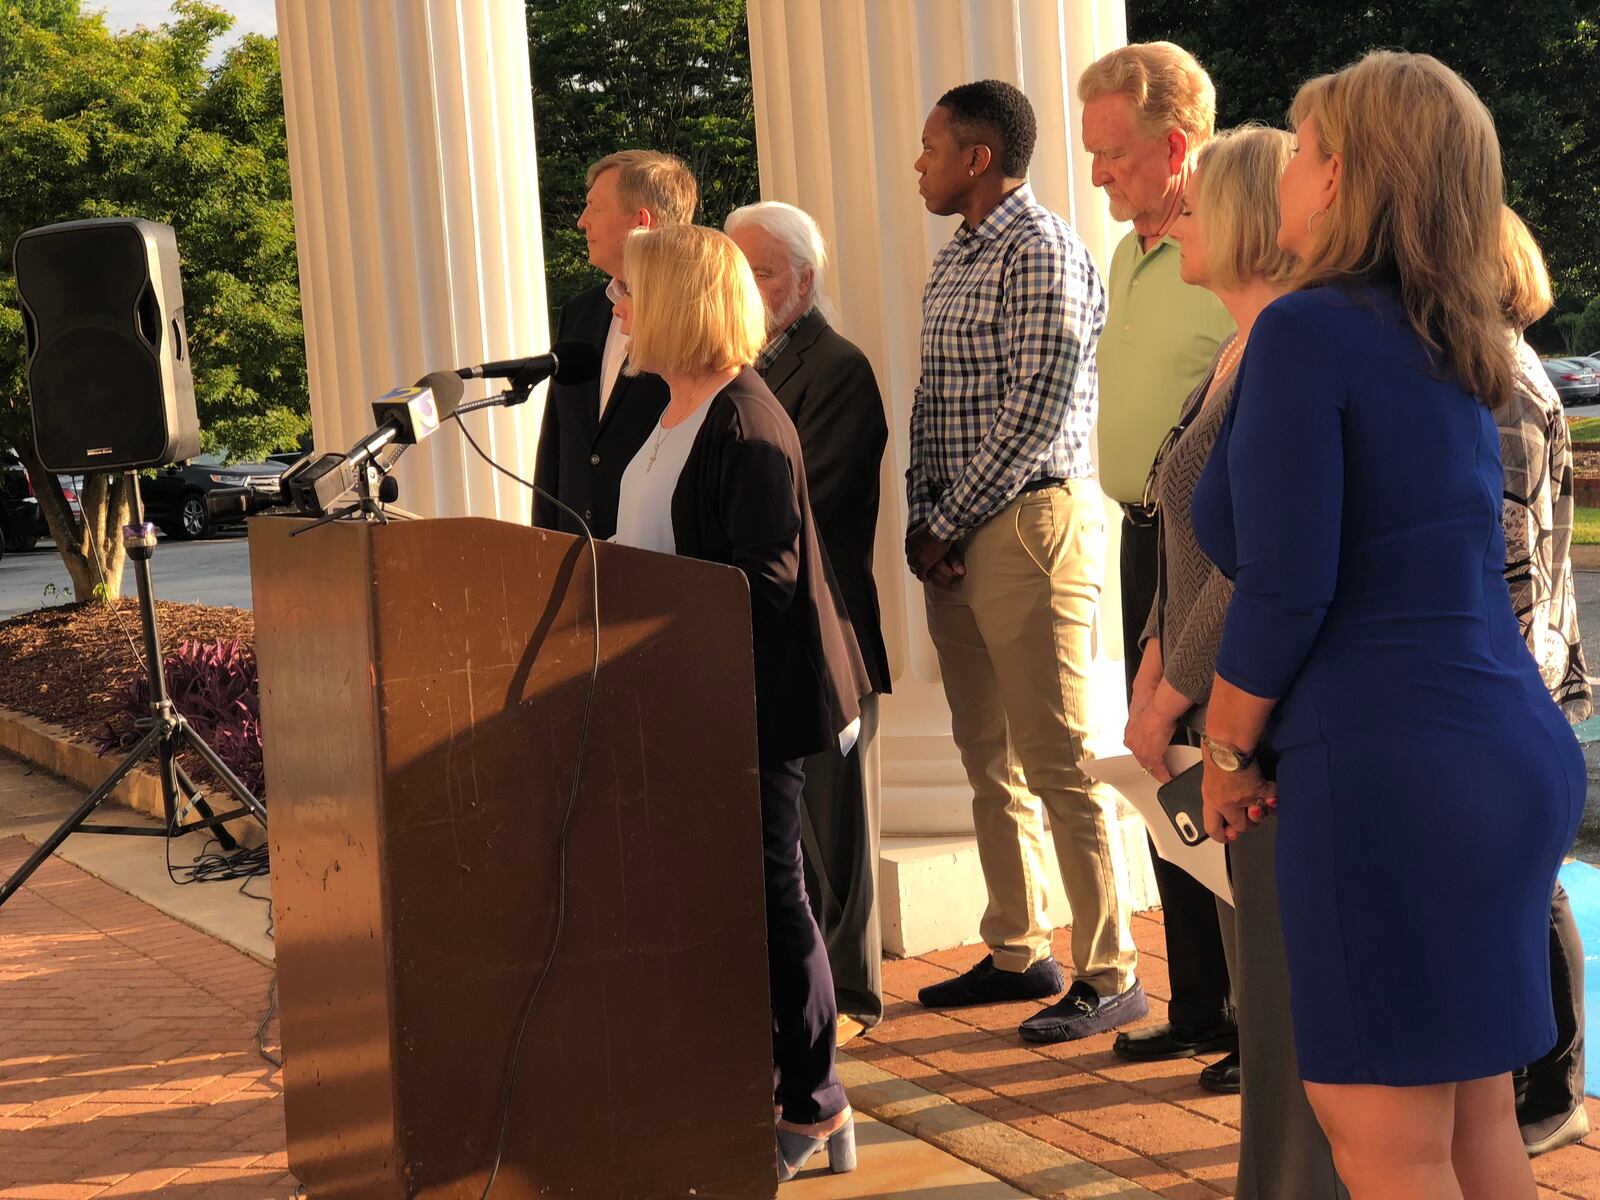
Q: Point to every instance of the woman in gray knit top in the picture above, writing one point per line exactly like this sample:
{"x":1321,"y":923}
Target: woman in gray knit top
{"x":1228,"y":231}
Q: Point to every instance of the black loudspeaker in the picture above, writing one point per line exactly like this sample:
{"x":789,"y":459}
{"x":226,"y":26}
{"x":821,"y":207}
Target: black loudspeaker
{"x":108,"y":358}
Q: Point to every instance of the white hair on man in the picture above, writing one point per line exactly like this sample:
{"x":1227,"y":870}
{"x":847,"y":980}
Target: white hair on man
{"x":796,"y":233}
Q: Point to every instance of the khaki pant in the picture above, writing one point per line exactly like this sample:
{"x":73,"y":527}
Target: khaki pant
{"x":1014,"y":643}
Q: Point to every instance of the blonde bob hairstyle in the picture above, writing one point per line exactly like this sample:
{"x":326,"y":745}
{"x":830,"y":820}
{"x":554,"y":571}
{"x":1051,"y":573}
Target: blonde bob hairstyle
{"x":1419,"y":201}
{"x":1524,"y":282}
{"x":696,"y":308}
{"x":1168,"y":87}
{"x":1235,"y":189}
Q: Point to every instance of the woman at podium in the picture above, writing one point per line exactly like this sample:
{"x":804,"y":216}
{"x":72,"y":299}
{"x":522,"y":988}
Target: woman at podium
{"x":721,"y":479}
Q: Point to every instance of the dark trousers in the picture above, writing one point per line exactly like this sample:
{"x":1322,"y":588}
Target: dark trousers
{"x":1551,"y":1088}
{"x":1197,"y":968}
{"x":1283,"y":1153}
{"x":803,"y":1013}
{"x":839,"y":832}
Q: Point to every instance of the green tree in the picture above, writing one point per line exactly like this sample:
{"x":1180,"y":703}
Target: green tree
{"x":1586,"y":330}
{"x":670,"y":75}
{"x":104,"y":124}
{"x":1536,"y":64}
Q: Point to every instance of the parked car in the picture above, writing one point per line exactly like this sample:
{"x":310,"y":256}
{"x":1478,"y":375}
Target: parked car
{"x":175,"y":498}
{"x":1575,"y":383}
{"x":22,"y":521}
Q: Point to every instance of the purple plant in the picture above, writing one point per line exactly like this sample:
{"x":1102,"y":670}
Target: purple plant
{"x":213,"y":684}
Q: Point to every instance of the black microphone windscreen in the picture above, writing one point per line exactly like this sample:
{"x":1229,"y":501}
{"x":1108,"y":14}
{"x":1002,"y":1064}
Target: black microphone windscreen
{"x":446,"y":387}
{"x":577,"y":362}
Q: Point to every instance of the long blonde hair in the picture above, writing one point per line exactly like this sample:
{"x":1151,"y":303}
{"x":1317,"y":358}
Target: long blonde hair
{"x":1525,"y":282}
{"x":1419,"y":199}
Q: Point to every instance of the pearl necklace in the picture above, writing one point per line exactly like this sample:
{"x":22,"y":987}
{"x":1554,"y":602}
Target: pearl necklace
{"x":1225,"y":366}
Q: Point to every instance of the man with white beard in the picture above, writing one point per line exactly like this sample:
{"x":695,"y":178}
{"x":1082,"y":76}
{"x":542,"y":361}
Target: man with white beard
{"x":827,"y":387}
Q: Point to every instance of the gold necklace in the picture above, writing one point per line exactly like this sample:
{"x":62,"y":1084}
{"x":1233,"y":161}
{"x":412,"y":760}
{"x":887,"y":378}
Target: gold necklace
{"x":662,"y":430}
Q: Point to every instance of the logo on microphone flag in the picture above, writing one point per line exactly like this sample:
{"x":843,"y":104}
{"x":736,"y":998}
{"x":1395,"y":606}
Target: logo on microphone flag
{"x":421,"y":403}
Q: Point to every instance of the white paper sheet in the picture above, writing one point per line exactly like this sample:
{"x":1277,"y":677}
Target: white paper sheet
{"x":1207,"y":862}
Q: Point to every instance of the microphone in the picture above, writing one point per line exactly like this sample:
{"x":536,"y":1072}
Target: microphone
{"x":405,"y":416}
{"x":418,"y":410}
{"x":568,"y":362}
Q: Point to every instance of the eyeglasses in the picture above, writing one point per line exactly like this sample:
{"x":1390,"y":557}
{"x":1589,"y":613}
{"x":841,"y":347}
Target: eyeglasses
{"x":1152,"y":481}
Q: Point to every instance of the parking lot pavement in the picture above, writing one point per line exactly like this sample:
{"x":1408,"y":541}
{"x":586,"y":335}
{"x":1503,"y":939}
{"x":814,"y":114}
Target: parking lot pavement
{"x":213,"y":571}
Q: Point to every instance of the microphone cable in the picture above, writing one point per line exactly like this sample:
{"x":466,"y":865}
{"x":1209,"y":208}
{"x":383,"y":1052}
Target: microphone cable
{"x":566,"y":820}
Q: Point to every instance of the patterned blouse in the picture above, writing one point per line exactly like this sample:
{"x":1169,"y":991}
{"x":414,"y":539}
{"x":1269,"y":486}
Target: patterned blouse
{"x":1537,"y":513}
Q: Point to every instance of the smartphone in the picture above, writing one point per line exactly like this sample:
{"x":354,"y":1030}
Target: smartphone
{"x":1180,"y":799}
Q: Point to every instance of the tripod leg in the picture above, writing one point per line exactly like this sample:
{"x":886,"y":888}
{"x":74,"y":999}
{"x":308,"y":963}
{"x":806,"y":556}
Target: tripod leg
{"x":231,"y":781}
{"x":195,"y":797}
{"x":90,"y":803}
{"x":167,"y":768}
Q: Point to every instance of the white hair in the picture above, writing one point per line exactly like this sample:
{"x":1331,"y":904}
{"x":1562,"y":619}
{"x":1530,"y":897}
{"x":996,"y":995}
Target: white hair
{"x":797,"y":232}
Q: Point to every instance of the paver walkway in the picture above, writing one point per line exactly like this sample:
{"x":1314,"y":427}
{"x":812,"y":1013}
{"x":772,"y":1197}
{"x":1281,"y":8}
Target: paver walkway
{"x":128,"y":1062}
{"x":1150,"y":1123}
{"x":128,"y":1067}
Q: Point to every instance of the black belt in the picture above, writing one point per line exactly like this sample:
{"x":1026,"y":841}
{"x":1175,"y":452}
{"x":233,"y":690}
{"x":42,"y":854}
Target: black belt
{"x":1040,"y":485}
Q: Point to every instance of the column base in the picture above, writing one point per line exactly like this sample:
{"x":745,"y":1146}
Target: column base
{"x":932,"y":894}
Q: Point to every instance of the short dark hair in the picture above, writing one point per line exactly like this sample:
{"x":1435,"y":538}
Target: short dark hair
{"x":992,"y":109}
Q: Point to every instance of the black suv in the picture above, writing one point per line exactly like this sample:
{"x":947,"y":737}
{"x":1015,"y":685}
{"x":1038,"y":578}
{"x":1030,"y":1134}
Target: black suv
{"x":175,"y":497}
{"x":21,"y":518}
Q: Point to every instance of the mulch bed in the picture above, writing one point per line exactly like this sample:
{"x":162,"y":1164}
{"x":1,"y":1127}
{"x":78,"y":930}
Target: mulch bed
{"x":71,"y":665}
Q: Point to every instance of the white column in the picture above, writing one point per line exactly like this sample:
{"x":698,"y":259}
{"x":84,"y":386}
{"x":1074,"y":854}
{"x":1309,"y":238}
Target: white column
{"x":842,"y":88}
{"x":416,"y":208}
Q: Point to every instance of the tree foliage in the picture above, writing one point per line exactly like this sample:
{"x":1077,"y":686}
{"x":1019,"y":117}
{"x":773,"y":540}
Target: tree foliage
{"x":97,"y":124}
{"x":1536,"y":64}
{"x":608,"y":75}
{"x":1586,"y":330}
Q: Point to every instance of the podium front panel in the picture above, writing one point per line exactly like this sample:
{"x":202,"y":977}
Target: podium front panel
{"x":645,"y":1069}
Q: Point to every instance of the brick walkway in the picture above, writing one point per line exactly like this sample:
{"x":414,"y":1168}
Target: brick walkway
{"x":128,"y":1062}
{"x":1150,"y":1123}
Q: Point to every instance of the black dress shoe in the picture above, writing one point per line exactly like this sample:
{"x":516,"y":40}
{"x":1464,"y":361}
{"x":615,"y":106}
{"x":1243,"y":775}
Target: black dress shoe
{"x":1161,"y":1042}
{"x":1222,"y":1076}
{"x":1083,"y":1012}
{"x":987,"y":984}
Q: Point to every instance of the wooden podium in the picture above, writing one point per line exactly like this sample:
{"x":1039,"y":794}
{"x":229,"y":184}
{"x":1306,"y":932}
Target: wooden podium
{"x":422,"y":690}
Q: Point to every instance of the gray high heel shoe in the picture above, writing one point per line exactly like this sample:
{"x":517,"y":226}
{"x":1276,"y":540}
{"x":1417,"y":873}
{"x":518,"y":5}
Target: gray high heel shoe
{"x":795,"y":1148}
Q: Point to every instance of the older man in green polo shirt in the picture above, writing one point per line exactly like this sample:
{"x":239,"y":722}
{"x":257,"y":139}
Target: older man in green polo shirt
{"x":1148,"y":108}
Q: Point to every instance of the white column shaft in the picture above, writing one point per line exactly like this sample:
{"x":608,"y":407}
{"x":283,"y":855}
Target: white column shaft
{"x":416,"y":203}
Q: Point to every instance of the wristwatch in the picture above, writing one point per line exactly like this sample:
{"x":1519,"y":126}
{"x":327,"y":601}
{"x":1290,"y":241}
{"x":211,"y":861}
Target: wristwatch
{"x":1227,"y":758}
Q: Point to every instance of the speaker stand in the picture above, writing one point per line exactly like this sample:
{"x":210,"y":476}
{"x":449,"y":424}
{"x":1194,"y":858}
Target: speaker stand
{"x":168,"y":731}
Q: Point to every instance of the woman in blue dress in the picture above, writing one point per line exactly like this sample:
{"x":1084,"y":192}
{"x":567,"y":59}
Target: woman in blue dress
{"x":1427,"y":787}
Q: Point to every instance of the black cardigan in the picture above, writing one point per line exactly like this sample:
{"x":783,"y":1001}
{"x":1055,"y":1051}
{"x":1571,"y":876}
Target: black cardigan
{"x":742,"y":500}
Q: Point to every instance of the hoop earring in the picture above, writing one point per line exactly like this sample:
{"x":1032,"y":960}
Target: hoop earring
{"x":1311,"y":220}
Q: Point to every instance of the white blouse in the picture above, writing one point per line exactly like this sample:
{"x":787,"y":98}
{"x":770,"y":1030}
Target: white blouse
{"x":644,"y":508}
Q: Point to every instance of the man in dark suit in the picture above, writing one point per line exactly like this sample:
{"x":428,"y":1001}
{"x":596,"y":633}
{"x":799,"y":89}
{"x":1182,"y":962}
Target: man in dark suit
{"x":592,"y":430}
{"x":828,"y":389}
